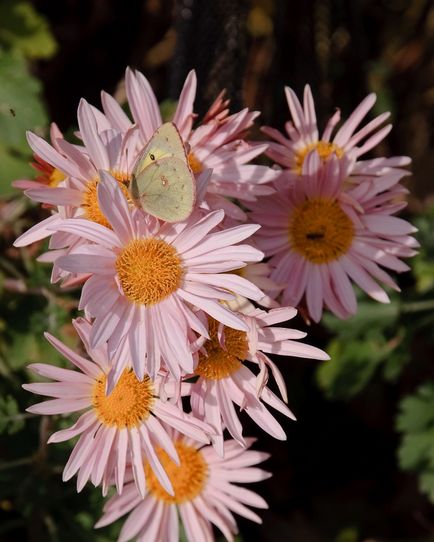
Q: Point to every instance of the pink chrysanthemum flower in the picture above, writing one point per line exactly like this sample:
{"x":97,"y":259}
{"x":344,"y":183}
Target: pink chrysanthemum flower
{"x":303,"y":135}
{"x":206,"y":494}
{"x":217,"y":143}
{"x":104,"y":148}
{"x":224,"y":379}
{"x":320,"y":237}
{"x":145,"y":277}
{"x":122,"y":427}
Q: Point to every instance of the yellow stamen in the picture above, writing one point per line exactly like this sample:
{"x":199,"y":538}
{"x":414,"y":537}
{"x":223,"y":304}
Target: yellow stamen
{"x":195,"y":164}
{"x":188,"y":480}
{"x":56,"y":177}
{"x":90,"y":198}
{"x":323,"y":148}
{"x":128,"y":404}
{"x":320,"y":230}
{"x":149,"y":270}
{"x":222,"y":362}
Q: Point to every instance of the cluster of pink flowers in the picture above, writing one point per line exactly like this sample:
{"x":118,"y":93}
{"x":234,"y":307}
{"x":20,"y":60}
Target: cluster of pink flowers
{"x":173,"y":347}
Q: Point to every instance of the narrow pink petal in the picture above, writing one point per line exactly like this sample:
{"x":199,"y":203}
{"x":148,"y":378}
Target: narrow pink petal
{"x":88,"y":367}
{"x":114,"y":112}
{"x":61,"y":390}
{"x":195,"y":529}
{"x":56,"y":196}
{"x":314,"y":295}
{"x":160,"y":435}
{"x":121,"y":458}
{"x":88,"y":230}
{"x":364,"y":281}
{"x":184,"y":110}
{"x":84,"y":422}
{"x":347,"y":129}
{"x":229,"y":281}
{"x":104,"y":453}
{"x":142,"y":102}
{"x":228,"y":413}
{"x":90,"y":135}
{"x":154,"y":461}
{"x":222,"y":239}
{"x":86,"y":263}
{"x":192,"y":235}
{"x":137,"y":519}
{"x":38,"y":232}
{"x":215,"y":310}
{"x":115,"y":208}
{"x":103,"y":327}
{"x":59,"y":406}
{"x":342,"y":286}
{"x":63,"y":375}
{"x":45,"y":151}
{"x":137,"y":460}
{"x":78,"y":455}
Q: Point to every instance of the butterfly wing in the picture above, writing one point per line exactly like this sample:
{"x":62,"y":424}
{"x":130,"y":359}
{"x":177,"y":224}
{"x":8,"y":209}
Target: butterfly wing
{"x":165,"y":189}
{"x":166,"y":142}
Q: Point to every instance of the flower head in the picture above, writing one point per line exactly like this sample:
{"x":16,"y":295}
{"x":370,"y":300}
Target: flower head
{"x":125,"y":425}
{"x":224,"y":380}
{"x":205,"y":494}
{"x":322,"y":233}
{"x":146,"y":276}
{"x":303,"y":136}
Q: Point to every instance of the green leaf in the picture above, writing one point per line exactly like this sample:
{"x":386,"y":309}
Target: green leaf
{"x":10,"y":418}
{"x":348,"y":535}
{"x":416,"y":422}
{"x":352,"y":364}
{"x":23,"y":29}
{"x":426,"y":484}
{"x":369,"y":314}
{"x":417,"y":411}
{"x":20,"y":109}
{"x":12,"y":166}
{"x":20,"y":105}
{"x":415,"y":449}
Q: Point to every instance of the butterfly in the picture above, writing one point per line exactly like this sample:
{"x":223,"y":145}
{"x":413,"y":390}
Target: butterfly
{"x":162,"y":182}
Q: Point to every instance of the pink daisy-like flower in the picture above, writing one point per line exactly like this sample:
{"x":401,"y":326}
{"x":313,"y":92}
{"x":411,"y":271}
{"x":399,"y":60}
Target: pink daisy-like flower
{"x":320,"y":237}
{"x":205,"y":490}
{"x":145,"y":278}
{"x":105,"y":148}
{"x":224,"y":379}
{"x":303,"y":134}
{"x":123,"y":426}
{"x":217,"y":143}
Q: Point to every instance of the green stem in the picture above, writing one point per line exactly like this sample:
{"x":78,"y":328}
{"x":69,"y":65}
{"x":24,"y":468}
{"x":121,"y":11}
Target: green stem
{"x":17,"y":463}
{"x":418,"y":306}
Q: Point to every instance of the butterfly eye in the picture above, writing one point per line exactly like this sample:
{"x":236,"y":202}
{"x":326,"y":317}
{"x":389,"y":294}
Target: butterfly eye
{"x":152,"y":157}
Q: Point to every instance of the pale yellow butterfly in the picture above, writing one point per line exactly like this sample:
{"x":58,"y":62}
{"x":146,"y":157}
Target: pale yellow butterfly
{"x":162,"y":182}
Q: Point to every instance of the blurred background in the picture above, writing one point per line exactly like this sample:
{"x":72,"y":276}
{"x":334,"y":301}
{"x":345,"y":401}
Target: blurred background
{"x":358,"y":466}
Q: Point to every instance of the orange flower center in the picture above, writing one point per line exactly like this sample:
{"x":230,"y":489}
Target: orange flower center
{"x":195,"y":164}
{"x":222,"y":362}
{"x":188,"y":480}
{"x":149,"y":270}
{"x":320,"y":230}
{"x":323,"y":148}
{"x":127,"y":405}
{"x":90,"y":198}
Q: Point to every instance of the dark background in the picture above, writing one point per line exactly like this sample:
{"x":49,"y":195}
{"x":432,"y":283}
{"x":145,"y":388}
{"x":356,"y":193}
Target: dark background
{"x":336,"y":479}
